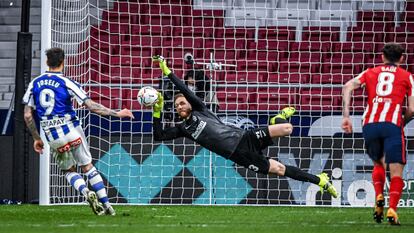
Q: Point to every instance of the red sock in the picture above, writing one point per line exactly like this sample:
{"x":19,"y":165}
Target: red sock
{"x":396,"y":187}
{"x":378,"y":179}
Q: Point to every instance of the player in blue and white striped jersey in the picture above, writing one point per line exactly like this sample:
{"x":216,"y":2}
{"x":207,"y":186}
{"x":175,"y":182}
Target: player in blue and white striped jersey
{"x":50,"y":96}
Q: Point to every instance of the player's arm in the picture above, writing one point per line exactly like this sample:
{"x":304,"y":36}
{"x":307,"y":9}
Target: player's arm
{"x":83,"y":99}
{"x":410,"y":110}
{"x":30,"y":122}
{"x":347,"y":90}
{"x":104,"y":111}
{"x":161,"y":134}
{"x":194,"y":100}
{"x":409,"y":113}
{"x":28,"y":101}
{"x":31,"y":125}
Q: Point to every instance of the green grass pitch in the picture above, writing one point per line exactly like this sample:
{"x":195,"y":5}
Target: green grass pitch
{"x":252,"y":219}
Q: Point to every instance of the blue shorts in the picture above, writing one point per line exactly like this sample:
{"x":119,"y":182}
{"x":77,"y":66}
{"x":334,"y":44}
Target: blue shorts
{"x":384,"y":138}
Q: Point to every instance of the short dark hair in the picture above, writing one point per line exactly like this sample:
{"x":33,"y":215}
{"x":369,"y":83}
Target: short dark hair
{"x":55,"y":57}
{"x":178,"y":95}
{"x":393,"y":52}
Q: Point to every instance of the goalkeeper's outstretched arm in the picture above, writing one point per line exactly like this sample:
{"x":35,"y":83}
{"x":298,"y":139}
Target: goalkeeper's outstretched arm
{"x":159,"y":133}
{"x":194,"y":100}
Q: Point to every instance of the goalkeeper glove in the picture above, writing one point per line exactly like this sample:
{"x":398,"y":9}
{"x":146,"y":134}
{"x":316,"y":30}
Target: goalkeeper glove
{"x":163,"y":64}
{"x":157,"y":108}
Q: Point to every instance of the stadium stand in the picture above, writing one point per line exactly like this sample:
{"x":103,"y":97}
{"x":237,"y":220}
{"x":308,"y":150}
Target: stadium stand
{"x":269,"y":47}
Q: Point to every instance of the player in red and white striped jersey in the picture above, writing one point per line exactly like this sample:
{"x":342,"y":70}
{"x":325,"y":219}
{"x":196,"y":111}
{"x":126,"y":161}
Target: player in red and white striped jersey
{"x":386,"y":86}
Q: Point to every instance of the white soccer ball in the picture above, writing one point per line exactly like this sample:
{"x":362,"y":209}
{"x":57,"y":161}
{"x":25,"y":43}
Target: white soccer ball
{"x":147,"y":96}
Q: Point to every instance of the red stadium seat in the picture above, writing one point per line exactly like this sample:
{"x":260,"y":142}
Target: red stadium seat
{"x":128,"y":7}
{"x":320,"y":99}
{"x":236,"y":33}
{"x":310,"y":57}
{"x":109,"y":97}
{"x":255,"y":65}
{"x":329,"y":78}
{"x":232,"y":99}
{"x":272,"y":99}
{"x":380,"y":16}
{"x":263,"y":44}
{"x":313,"y":46}
{"x":366,"y":34}
{"x":243,"y":77}
{"x":287,"y":78}
{"x":277,"y":33}
{"x":288,"y":66}
{"x":356,"y":58}
{"x":320,"y":34}
{"x":358,"y":101}
{"x":352,"y":47}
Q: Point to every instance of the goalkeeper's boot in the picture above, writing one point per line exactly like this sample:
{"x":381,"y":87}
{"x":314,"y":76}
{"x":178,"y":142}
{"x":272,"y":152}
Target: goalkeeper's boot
{"x":109,"y":210}
{"x":379,"y":208}
{"x":392,"y":217}
{"x":96,"y":206}
{"x":284,"y":114}
{"x":326,"y":186}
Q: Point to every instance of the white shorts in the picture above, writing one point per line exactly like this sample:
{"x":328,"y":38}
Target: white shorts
{"x":71,"y":149}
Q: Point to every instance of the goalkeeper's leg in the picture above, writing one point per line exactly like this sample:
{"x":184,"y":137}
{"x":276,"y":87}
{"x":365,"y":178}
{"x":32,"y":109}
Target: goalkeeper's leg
{"x":296,"y":173}
{"x":96,"y":182}
{"x":282,"y":116}
{"x":279,"y":125}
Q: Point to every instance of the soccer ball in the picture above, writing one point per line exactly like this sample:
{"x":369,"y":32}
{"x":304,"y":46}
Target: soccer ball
{"x":147,"y":96}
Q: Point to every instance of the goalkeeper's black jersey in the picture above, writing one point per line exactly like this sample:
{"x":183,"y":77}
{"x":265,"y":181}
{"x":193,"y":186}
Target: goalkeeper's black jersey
{"x":203,"y":127}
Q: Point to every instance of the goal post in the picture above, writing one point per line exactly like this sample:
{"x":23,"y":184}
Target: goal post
{"x":255,"y":57}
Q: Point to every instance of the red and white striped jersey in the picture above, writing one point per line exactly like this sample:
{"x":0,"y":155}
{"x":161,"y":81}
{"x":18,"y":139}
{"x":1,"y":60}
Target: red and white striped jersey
{"x":386,"y":86}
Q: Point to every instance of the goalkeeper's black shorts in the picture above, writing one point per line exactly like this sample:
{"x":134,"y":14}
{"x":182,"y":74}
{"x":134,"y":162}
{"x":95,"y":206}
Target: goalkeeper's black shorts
{"x":249,"y":151}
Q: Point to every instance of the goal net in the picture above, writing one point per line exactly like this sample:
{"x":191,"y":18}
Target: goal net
{"x":249,"y":59}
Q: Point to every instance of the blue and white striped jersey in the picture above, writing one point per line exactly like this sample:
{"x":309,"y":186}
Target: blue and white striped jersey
{"x":50,"y":94}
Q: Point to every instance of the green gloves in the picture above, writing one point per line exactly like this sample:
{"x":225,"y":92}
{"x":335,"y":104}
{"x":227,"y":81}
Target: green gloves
{"x":157,"y":108}
{"x":163,"y":64}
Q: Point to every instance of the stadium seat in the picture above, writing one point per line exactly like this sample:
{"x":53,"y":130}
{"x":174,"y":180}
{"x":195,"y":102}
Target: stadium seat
{"x":264,"y":55}
{"x":232,"y":99}
{"x":296,"y":56}
{"x":272,"y":99}
{"x":109,"y":97}
{"x":365,"y":34}
{"x":400,"y":35}
{"x":127,"y":7}
{"x":255,"y":65}
{"x":320,"y":99}
{"x":358,"y":101}
{"x":313,"y":46}
{"x":287,"y":78}
{"x":330,"y":78}
{"x":295,"y":67}
{"x":277,"y":33}
{"x":320,"y":34}
{"x":339,"y":58}
{"x":243,"y":77}
{"x":380,"y":16}
{"x":271,"y":45}
{"x":340,"y":68}
{"x":352,"y":47}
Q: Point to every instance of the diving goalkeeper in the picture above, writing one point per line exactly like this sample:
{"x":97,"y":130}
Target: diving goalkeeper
{"x":240,"y":146}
